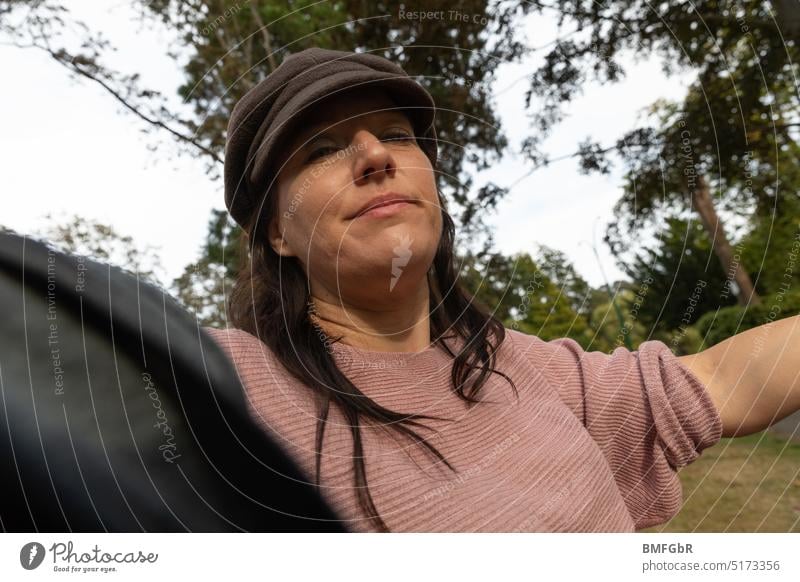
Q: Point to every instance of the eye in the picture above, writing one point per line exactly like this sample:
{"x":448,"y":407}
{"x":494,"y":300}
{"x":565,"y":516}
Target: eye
{"x":395,"y":134}
{"x":398,"y":134}
{"x":321,"y":151}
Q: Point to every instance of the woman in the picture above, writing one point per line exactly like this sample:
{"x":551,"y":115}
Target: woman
{"x":408,"y":403}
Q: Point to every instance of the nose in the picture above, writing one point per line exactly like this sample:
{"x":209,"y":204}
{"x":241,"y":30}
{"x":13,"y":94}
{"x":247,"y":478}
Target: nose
{"x":372,"y":158}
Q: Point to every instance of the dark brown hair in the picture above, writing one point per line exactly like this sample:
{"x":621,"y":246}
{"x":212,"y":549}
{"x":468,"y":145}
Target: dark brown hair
{"x":269,"y":300}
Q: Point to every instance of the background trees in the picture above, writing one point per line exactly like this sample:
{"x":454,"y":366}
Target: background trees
{"x":710,"y":182}
{"x":723,"y":145}
{"x":543,"y":296}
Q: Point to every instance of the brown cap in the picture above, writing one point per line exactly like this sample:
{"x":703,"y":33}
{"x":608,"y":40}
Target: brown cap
{"x":265,"y":114}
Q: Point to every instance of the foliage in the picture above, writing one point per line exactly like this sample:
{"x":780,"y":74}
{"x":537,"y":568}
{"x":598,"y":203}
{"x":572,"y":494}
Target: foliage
{"x":204,"y":284}
{"x":678,"y":277}
{"x":717,"y":326}
{"x":49,"y":27}
{"x":729,"y":45}
{"x":738,"y":125}
{"x":772,"y":247}
{"x":557,"y":267}
{"x":683,"y":341}
{"x":534,"y":296}
{"x":737,"y":128}
{"x":103,"y":243}
{"x":608,"y":334}
{"x":697,"y":140}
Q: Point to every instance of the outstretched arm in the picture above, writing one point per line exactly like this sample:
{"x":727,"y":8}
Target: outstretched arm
{"x":753,"y":377}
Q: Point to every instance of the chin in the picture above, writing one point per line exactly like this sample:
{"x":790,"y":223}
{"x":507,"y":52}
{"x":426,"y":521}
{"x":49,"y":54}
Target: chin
{"x":386,"y":256}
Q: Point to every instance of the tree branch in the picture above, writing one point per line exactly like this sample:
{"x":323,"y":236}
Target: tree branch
{"x":60,"y":57}
{"x":265,"y":34}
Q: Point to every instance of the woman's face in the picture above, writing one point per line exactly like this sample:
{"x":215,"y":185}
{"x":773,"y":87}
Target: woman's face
{"x":353,"y":147}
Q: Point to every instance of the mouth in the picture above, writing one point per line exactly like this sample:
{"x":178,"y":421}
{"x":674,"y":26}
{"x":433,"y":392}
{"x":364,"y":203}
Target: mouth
{"x":385,"y":205}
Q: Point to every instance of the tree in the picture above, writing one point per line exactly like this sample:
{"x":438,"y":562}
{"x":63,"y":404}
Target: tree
{"x":48,"y":26}
{"x":677,"y":278}
{"x":204,"y":284}
{"x":772,"y":247}
{"x":524,"y":297}
{"x":558,"y":268}
{"x":723,"y":145}
{"x":608,"y":334}
{"x":98,"y":241}
{"x":672,"y":167}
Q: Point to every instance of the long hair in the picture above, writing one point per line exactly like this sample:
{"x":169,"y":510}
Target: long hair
{"x":270,"y":299}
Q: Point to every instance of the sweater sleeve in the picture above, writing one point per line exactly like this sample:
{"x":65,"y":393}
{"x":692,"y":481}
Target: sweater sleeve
{"x":648,"y":413}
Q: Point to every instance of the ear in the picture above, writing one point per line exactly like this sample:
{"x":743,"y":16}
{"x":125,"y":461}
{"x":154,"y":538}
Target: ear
{"x":276,"y":239}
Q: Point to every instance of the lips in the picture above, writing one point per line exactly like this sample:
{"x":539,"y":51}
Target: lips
{"x":383,"y":200}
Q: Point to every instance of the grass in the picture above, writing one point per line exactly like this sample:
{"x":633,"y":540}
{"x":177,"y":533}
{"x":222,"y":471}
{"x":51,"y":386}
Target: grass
{"x":745,"y":484}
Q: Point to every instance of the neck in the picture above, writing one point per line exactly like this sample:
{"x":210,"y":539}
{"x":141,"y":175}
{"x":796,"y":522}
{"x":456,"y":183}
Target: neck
{"x":401,"y":326}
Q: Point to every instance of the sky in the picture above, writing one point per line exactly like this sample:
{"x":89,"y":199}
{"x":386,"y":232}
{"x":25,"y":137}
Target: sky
{"x":67,"y":148}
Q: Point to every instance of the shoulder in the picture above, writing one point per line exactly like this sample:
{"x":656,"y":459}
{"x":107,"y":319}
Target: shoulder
{"x":249,"y":354}
{"x":545,"y":354}
{"x":560,"y":355}
{"x":232,"y":338}
{"x":282,"y":405}
{"x":267,"y":382}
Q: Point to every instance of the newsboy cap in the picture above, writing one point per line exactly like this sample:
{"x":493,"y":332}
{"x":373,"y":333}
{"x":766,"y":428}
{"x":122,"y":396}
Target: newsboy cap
{"x":272,"y":109}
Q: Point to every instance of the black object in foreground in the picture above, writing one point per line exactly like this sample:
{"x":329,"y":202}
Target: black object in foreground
{"x":117,"y":413}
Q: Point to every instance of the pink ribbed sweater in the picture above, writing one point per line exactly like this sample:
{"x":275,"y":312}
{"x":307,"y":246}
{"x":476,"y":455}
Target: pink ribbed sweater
{"x":592,"y":445}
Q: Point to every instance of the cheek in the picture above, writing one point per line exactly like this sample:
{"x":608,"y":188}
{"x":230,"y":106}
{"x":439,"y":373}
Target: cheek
{"x":438,"y":222}
{"x":315,"y":222}
{"x":425,"y":185}
{"x":420,"y":172}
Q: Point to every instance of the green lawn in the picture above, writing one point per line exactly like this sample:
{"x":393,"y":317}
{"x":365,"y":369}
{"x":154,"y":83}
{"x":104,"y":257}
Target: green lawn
{"x":746,"y":484}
